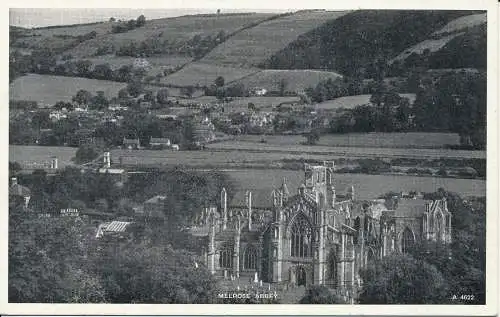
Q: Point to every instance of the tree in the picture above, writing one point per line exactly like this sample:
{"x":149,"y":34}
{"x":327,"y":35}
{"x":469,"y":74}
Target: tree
{"x":401,"y":279}
{"x":320,"y":294}
{"x":99,"y":101}
{"x":47,"y":260}
{"x":162,"y":96}
{"x":85,"y":154}
{"x":283,"y":83}
{"x":188,"y":91}
{"x":103,"y":71}
{"x":83,"y":67}
{"x":82,"y":97}
{"x":123,"y":93}
{"x":219,"y":81}
{"x":149,"y":273}
{"x":312,"y":137}
{"x":112,"y":19}
{"x":135,"y":88}
{"x":141,"y":21}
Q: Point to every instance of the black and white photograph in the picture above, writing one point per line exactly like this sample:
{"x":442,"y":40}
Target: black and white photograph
{"x":251,"y":156}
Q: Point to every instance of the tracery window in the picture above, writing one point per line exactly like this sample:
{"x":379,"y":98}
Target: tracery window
{"x":407,"y":240}
{"x":250,"y":258}
{"x":301,"y":238}
{"x":226,"y":257}
{"x":438,"y":225}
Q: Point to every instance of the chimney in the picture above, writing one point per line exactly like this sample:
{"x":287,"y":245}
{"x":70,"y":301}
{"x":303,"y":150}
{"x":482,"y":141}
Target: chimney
{"x":13,"y":181}
{"x":107,"y":160}
{"x":54,"y":163}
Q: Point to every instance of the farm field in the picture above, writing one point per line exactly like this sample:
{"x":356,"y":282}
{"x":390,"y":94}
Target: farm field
{"x":209,"y":158}
{"x":47,"y":90}
{"x":178,"y":29}
{"x":433,"y":45}
{"x":252,"y":46}
{"x":296,"y":80}
{"x":351,"y":102}
{"x":384,"y":140}
{"x":200,"y":74}
{"x":366,"y":186}
{"x":343,"y":151}
{"x":462,"y":23}
{"x":34,"y":153}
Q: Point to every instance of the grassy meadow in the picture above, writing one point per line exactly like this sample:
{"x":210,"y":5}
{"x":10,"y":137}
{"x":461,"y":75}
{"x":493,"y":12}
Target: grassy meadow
{"x":34,"y":153}
{"x":47,"y":90}
{"x":296,"y":79}
{"x":383,"y":140}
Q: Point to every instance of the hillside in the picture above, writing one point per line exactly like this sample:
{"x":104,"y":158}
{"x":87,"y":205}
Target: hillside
{"x":250,"y":47}
{"x":354,"y":42}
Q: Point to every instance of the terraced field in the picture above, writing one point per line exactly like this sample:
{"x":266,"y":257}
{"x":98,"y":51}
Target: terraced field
{"x":296,"y":80}
{"x":47,"y":90}
{"x":252,"y":46}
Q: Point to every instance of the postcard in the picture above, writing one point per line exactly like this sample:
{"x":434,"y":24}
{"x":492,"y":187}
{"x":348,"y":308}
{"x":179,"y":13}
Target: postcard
{"x":302,"y":157}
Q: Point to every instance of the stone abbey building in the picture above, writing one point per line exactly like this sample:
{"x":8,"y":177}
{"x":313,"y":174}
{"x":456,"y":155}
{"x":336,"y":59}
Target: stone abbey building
{"x":315,"y":236}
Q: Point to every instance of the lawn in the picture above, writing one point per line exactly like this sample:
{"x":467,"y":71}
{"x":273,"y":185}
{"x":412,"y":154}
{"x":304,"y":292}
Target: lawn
{"x":33,"y":153}
{"x":346,"y":151}
{"x":296,"y":80}
{"x":263,"y":181}
{"x":252,"y":46}
{"x":47,"y":90}
{"x":351,"y":102}
{"x":383,"y":140}
{"x":205,"y":74}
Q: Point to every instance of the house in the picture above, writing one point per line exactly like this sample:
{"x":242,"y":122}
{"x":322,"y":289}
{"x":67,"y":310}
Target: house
{"x":16,"y":190}
{"x":114,"y":230}
{"x":82,"y":137}
{"x":131,"y":144}
{"x":204,"y":131}
{"x":258,"y":91}
{"x":159,"y":143}
{"x":118,"y":175}
{"x":155,"y":206}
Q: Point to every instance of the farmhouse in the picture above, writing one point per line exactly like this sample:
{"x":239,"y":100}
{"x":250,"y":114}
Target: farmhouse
{"x":159,"y":142}
{"x":315,"y":236}
{"x":131,"y":144}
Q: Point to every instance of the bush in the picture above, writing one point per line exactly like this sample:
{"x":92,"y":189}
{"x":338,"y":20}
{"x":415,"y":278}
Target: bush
{"x":319,"y":294}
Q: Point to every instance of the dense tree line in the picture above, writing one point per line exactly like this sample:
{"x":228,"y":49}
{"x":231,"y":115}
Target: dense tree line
{"x":370,"y":35}
{"x":57,"y":259}
{"x":434,"y":272}
{"x":196,"y":47}
{"x":122,"y":27}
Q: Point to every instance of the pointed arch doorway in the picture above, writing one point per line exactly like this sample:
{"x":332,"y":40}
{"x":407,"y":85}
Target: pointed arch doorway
{"x":301,"y":276}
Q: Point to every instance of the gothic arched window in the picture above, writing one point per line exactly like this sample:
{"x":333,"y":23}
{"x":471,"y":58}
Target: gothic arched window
{"x":407,"y":240}
{"x":438,"y":225}
{"x":250,"y":258}
{"x":301,"y":238}
{"x":226,"y":257}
